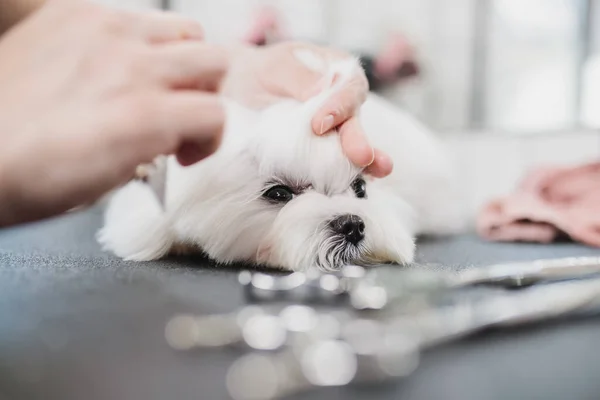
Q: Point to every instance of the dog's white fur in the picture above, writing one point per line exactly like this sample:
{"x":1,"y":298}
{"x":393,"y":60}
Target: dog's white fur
{"x":217,"y":205}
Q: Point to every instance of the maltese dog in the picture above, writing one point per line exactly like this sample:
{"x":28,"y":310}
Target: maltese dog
{"x":277,"y":195}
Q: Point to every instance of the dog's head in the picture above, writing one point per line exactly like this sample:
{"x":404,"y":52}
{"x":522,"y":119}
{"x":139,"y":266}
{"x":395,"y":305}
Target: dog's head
{"x":277,"y":194}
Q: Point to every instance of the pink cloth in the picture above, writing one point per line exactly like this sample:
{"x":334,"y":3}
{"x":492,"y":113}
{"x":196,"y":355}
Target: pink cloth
{"x":548,"y":203}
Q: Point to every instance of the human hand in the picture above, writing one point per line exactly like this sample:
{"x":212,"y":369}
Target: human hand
{"x":88,"y":93}
{"x":260,"y":76}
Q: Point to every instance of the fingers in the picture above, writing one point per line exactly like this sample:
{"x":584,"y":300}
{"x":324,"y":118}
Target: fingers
{"x":284,"y":74}
{"x":297,"y":71}
{"x":190,"y":153}
{"x":192,"y":119}
{"x":382,"y":165}
{"x":160,"y":27}
{"x":359,"y":152}
{"x":191,"y":65}
{"x":354,"y":143}
{"x":196,"y":121}
{"x":339,"y":107}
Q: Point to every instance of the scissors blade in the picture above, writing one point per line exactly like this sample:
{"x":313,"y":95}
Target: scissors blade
{"x":155,"y":176}
{"x":530,"y":272}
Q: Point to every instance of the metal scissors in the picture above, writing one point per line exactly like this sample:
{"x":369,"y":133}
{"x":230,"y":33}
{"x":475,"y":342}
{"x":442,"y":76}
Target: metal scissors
{"x":526,"y":273}
{"x":377,"y":288}
{"x":294,"y":340}
{"x":310,"y":347}
{"x":155,"y":176}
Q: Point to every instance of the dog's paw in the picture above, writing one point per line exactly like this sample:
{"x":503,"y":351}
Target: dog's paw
{"x":134,"y":225}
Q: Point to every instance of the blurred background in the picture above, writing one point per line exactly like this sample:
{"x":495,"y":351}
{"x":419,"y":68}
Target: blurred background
{"x":508,"y":84}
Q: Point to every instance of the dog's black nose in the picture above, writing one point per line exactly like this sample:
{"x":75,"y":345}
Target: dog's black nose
{"x":350,"y":226}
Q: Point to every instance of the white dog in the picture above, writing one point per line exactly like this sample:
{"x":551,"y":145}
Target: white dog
{"x":276,"y":194}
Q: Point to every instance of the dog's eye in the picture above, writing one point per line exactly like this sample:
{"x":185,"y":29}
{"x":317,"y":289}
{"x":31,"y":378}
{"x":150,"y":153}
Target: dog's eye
{"x":279,"y":194}
{"x":360,"y":188}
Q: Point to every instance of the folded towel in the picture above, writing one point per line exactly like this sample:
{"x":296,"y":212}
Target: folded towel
{"x":549,"y":203}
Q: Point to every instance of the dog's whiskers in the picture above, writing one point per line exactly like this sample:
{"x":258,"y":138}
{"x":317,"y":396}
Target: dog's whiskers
{"x":333,"y":252}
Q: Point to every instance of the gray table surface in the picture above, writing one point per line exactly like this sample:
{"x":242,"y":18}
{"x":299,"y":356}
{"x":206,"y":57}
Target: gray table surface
{"x":76,"y":323}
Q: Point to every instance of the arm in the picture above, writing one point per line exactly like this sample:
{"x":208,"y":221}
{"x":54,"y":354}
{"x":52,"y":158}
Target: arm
{"x":13,"y":11}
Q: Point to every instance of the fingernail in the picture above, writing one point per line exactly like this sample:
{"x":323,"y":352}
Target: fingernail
{"x":381,"y":167}
{"x":372,"y":158}
{"x":326,"y":124}
{"x":371,"y":161}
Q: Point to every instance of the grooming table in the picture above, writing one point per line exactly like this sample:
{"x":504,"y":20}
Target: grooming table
{"x":77,"y":323}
